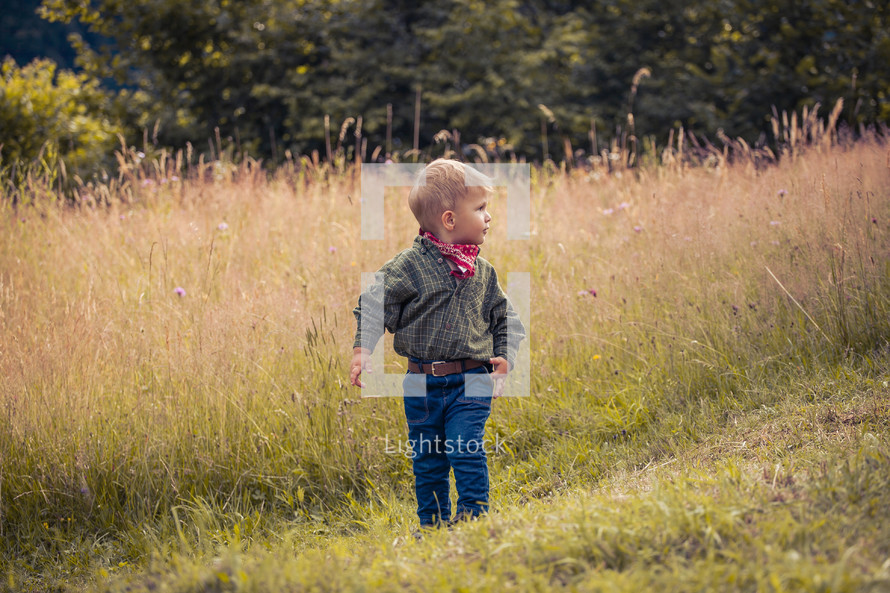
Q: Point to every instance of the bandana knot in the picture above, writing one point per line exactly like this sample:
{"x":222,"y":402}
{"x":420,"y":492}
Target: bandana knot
{"x":462,"y":255}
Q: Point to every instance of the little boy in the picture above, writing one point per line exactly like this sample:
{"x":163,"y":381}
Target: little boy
{"x":453,"y":322}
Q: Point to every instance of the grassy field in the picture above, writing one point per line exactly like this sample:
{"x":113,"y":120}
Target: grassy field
{"x":709,"y":402}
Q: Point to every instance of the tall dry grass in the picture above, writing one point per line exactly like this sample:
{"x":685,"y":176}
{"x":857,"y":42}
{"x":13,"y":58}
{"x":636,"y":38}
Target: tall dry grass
{"x":182,"y":350}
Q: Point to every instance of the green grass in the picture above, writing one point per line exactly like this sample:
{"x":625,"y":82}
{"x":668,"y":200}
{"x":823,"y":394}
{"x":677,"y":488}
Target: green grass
{"x":714,"y":418}
{"x":787,"y":496}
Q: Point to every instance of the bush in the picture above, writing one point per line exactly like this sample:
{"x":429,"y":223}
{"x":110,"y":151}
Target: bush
{"x":47,"y":116}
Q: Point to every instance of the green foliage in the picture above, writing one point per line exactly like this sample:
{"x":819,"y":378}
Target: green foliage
{"x":49,"y":116}
{"x":791,"y":54}
{"x":266,"y":73}
{"x":236,"y":66}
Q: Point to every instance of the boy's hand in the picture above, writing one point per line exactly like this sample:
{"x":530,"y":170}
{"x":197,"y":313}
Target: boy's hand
{"x":359,"y":356}
{"x":499,"y":374}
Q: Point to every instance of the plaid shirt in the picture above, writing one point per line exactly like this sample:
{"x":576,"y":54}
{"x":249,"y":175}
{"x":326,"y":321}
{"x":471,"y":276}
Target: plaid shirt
{"x":435,"y":316}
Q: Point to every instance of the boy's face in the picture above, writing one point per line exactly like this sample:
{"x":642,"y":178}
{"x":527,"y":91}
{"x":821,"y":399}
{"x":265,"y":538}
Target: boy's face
{"x":471,"y":218}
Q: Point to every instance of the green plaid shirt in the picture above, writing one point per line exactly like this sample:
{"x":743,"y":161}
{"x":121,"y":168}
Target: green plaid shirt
{"x":435,"y":316}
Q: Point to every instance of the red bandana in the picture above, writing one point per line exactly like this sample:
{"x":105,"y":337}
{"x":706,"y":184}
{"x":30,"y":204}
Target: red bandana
{"x":462,"y":255}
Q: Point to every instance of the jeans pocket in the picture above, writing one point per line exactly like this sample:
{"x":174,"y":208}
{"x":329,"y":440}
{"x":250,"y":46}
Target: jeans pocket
{"x":416,"y":404}
{"x":477,"y":389}
{"x":416,"y":409}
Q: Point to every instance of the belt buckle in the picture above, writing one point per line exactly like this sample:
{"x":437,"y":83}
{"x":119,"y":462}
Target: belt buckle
{"x":433,"y":368}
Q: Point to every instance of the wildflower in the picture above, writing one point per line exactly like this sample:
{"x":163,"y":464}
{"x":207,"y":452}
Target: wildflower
{"x":608,"y":211}
{"x":874,"y":220}
{"x":174,"y":178}
{"x":623,"y":206}
{"x":783,"y":193}
{"x":589,"y":291}
{"x":147,"y":182}
{"x":638,"y":229}
{"x":596,"y":357}
{"x":140,"y":154}
{"x":222,"y":226}
{"x":179,"y":291}
{"x":774,"y":223}
{"x":332,"y":249}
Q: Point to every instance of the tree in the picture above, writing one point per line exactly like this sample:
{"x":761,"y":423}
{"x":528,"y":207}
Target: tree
{"x":197,"y":66}
{"x":267,"y":72}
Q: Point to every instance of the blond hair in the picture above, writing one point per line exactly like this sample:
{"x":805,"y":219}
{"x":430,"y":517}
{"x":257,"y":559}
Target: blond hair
{"x":439,"y":186}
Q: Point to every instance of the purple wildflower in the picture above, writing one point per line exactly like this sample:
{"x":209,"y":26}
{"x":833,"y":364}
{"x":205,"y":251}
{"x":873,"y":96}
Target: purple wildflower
{"x":180,"y":291}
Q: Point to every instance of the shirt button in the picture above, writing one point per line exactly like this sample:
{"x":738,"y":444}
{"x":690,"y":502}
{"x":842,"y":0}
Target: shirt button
{"x":440,"y":260}
{"x":447,"y":326}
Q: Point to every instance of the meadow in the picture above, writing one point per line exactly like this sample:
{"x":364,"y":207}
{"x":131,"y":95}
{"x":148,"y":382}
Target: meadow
{"x":709,"y":405}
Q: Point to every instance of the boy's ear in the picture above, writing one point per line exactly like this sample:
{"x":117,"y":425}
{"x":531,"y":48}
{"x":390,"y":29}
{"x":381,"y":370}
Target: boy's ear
{"x":448,"y":220}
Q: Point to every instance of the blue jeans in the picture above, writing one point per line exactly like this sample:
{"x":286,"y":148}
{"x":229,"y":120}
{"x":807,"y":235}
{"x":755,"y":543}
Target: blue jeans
{"x":446,"y":427}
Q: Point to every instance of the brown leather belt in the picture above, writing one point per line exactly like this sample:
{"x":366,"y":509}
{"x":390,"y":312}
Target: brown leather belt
{"x":440,"y":368}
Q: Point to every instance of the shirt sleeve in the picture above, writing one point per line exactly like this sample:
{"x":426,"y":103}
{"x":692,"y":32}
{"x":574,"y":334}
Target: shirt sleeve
{"x":506,"y":328}
{"x":380,"y":305}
